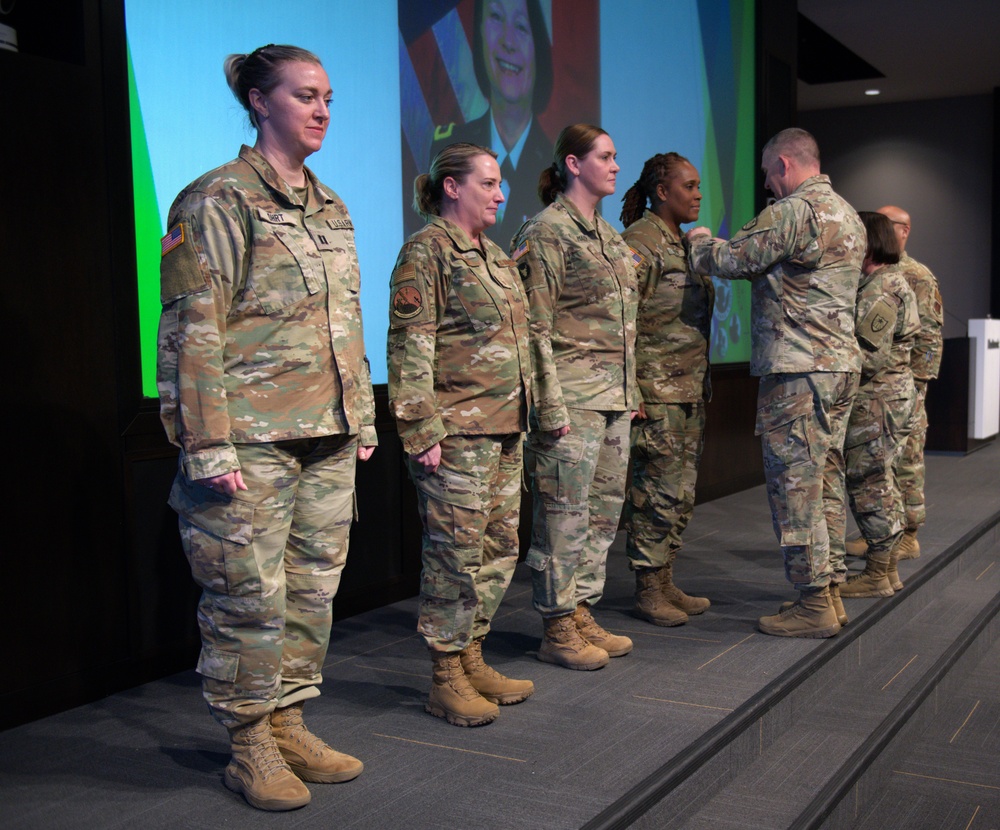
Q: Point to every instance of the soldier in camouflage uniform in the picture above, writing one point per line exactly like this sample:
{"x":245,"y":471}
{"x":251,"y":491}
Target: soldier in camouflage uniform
{"x":887,"y":325}
{"x":265,"y":388}
{"x":803,"y":256}
{"x":460,"y":388}
{"x":925,"y":363}
{"x":580,"y":282}
{"x":674,"y":324}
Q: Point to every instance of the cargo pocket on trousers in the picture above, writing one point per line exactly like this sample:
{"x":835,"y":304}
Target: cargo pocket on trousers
{"x":537,"y":560}
{"x":217,"y":532}
{"x":783,"y":426}
{"x":219,"y":665}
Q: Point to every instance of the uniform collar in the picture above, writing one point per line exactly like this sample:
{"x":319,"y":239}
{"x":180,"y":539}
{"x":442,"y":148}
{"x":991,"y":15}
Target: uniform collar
{"x":278,"y":184}
{"x":812,"y":181}
{"x":663,"y":226}
{"x":578,"y":217}
{"x":460,"y":239}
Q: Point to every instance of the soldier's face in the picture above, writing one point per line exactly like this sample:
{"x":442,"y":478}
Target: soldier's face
{"x":473,"y":203}
{"x":297,"y":110}
{"x":681,"y":194}
{"x":598,"y":170}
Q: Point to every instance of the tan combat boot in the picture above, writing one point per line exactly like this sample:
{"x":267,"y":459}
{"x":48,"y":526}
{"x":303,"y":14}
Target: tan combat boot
{"x":614,"y":644}
{"x":838,"y":604}
{"x":856,"y":547}
{"x":650,"y":604}
{"x":453,"y":698}
{"x":873,"y":581}
{"x":909,"y":547}
{"x":310,"y":757}
{"x":812,"y":616}
{"x":563,"y":645}
{"x":488,"y":681}
{"x":676,"y":597}
{"x":892,"y":572}
{"x":259,"y":773}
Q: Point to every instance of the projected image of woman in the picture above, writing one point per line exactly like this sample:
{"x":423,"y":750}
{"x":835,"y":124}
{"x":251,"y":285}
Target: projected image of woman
{"x":264,"y":386}
{"x":513,"y":63}
{"x":581,"y":287}
{"x":671,"y":355}
{"x":460,"y":389}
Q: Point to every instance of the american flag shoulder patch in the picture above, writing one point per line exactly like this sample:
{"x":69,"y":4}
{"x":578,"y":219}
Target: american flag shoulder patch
{"x":521,"y":250}
{"x":637,"y":258}
{"x":174,"y":238}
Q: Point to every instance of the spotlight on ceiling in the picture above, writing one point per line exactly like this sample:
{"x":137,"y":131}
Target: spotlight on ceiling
{"x":873,"y":92}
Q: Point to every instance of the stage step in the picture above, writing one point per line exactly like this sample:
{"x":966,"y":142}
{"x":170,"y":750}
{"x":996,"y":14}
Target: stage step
{"x":812,"y":748}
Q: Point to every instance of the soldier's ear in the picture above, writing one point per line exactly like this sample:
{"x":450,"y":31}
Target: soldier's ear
{"x":572,"y":164}
{"x":256,"y":98}
{"x":450,"y":187}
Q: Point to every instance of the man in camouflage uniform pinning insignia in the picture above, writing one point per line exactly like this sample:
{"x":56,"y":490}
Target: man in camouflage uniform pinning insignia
{"x":803,"y":256}
{"x":925,"y":363}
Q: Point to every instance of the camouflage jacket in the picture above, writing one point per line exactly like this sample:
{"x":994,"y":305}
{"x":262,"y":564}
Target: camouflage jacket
{"x":803,"y":256}
{"x":675,"y":317}
{"x":458,"y":353}
{"x":260,"y":337}
{"x":886,"y":298}
{"x":580,"y":279}
{"x":925,"y":362}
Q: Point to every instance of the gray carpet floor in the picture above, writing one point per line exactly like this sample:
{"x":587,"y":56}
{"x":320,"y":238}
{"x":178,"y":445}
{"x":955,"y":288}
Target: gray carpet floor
{"x":153,"y":758}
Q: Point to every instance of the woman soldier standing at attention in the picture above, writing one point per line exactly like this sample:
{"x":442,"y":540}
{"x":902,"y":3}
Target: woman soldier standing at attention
{"x":460,"y":388}
{"x":671,"y":357}
{"x":581,"y":287}
{"x":264,"y":386}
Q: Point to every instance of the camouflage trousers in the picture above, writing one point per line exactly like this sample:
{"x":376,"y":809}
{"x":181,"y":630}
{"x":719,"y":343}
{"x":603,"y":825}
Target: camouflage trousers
{"x":665,"y":456}
{"x":470,"y":507}
{"x":268,"y":561}
{"x":876,"y":433}
{"x":802,"y":421}
{"x":578,"y":486}
{"x":910,"y":472}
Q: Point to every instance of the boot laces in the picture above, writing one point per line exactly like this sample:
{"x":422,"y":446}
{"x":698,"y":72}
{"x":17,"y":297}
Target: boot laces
{"x":264,"y":752}
{"x":297,"y":731}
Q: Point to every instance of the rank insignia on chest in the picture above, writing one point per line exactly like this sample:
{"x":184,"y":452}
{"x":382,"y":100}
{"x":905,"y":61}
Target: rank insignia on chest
{"x":172,"y":239}
{"x":521,"y":250}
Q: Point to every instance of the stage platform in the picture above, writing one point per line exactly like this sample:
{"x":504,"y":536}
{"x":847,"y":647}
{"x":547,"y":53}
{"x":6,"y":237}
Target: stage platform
{"x":707,"y":725}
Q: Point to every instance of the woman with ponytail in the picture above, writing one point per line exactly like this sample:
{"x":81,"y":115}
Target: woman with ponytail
{"x":671,"y":353}
{"x":264,"y":386}
{"x":460,"y":387}
{"x":580,"y":282}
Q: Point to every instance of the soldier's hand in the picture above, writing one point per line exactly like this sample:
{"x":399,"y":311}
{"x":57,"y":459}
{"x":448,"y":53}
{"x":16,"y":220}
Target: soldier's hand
{"x":364,"y":453}
{"x":699,"y":232}
{"x":430,"y":458}
{"x":559,"y":433}
{"x":226,"y":484}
